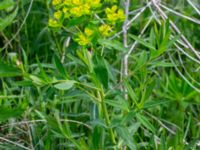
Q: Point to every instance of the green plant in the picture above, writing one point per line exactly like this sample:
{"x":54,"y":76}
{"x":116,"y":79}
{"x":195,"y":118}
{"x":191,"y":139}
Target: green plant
{"x":101,"y":74}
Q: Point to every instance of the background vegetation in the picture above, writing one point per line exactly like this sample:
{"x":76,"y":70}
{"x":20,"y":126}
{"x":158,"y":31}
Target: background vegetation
{"x":110,"y":75}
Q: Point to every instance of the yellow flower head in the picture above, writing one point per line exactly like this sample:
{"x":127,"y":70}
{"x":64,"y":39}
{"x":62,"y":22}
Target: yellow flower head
{"x":88,"y":32}
{"x":77,"y":2}
{"x":56,"y":2}
{"x":85,"y":9}
{"x":111,"y":10}
{"x":76,"y":11}
{"x":67,"y":2}
{"x":82,"y":39}
{"x":57,"y":15}
{"x":94,"y":3}
{"x":121,"y":15}
{"x":114,"y":14}
{"x":53,"y":23}
{"x":105,"y":30}
{"x":65,"y":10}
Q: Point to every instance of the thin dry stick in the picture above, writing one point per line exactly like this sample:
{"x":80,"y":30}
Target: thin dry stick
{"x":44,"y":121}
{"x":14,"y":143}
{"x":137,"y":15}
{"x":66,"y":44}
{"x":30,"y":136}
{"x":185,"y":53}
{"x":134,"y":11}
{"x":193,"y":5}
{"x":101,"y":20}
{"x":126,"y":57}
{"x":142,"y":32}
{"x":186,"y":72}
{"x":131,"y":21}
{"x":180,"y":42}
{"x":154,"y":13}
{"x":181,"y":15}
{"x":125,"y":42}
{"x":184,"y":78}
{"x":160,"y":122}
{"x":4,"y":36}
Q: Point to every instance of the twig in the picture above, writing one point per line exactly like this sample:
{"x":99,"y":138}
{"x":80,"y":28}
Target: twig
{"x":66,"y":44}
{"x":160,"y":122}
{"x":193,"y":5}
{"x":36,"y":121}
{"x":181,"y":15}
{"x":190,"y":57}
{"x":185,"y":70}
{"x":131,"y":21}
{"x":14,"y":143}
{"x":184,"y":78}
{"x":142,"y":32}
{"x":137,"y":15}
{"x":124,"y":66}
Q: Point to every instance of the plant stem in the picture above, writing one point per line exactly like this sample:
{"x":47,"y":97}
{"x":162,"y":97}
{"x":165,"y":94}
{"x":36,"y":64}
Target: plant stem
{"x":105,"y":113}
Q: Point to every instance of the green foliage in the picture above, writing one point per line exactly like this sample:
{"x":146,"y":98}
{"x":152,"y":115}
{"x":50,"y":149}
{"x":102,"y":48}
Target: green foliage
{"x":8,"y":70}
{"x":82,"y":75}
{"x":8,"y":19}
{"x":7,"y":113}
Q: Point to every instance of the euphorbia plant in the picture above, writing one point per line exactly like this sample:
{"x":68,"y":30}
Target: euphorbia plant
{"x":88,"y":22}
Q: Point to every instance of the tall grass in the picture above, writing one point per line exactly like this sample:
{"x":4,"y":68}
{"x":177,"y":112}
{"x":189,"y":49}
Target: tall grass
{"x":138,"y":88}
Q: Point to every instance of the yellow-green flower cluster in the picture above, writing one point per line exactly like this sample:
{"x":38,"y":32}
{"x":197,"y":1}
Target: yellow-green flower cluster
{"x":115,"y":14}
{"x":53,"y":23}
{"x":85,"y":38}
{"x":64,"y":10}
{"x":56,"y":2}
{"x":77,"y":8}
{"x":105,"y":30}
{"x":72,"y":8}
{"x":57,"y":15}
{"x":80,"y":10}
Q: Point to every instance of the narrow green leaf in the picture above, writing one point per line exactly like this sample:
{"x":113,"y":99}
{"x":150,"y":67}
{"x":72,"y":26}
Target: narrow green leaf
{"x":37,"y":80}
{"x":7,"y":113}
{"x":127,"y":137}
{"x":161,"y":64}
{"x":154,"y":103}
{"x":145,"y":122}
{"x":4,"y":22}
{"x":43,"y":73}
{"x":60,"y":66}
{"x":7,"y":70}
{"x":131,"y":93}
{"x":100,"y":70}
{"x":143,"y":42}
{"x":121,"y":104}
{"x":66,"y":85}
{"x":6,"y":4}
{"x":112,"y":44}
{"x":97,"y":136}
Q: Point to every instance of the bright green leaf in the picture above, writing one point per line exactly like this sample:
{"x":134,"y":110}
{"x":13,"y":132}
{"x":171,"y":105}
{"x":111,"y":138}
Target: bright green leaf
{"x":4,"y":22}
{"x":7,"y":70}
{"x":66,"y":85}
{"x":6,"y":4}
